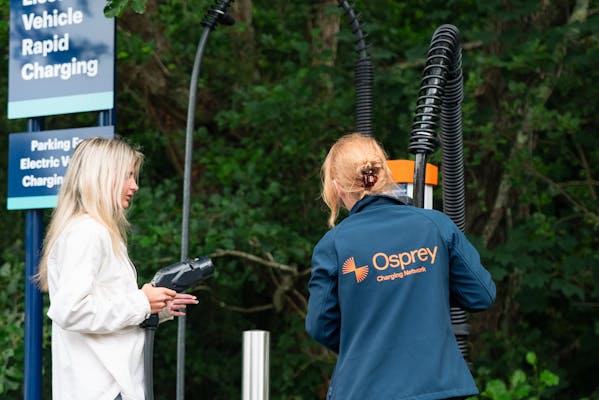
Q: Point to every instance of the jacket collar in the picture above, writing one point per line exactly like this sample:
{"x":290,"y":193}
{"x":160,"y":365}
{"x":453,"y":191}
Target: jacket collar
{"x":375,"y":200}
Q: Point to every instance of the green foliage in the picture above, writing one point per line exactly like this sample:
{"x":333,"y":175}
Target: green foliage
{"x":294,"y":357}
{"x":11,"y":322}
{"x":537,"y":384}
{"x":549,"y":287}
{"x":115,"y":8}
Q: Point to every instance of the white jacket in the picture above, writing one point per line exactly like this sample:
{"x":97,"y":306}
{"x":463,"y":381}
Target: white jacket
{"x":95,"y":307}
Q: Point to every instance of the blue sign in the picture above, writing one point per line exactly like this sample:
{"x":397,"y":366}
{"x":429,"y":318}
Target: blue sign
{"x":61,"y":58}
{"x":37,"y":163}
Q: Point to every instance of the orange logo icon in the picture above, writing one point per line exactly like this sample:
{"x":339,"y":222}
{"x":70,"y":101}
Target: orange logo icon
{"x":350,"y":266}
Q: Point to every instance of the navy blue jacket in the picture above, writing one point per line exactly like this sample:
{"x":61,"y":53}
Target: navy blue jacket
{"x":379,"y":297}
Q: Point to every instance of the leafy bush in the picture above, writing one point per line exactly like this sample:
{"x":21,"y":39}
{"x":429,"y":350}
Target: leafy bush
{"x":12,"y":297}
{"x":536,"y":385}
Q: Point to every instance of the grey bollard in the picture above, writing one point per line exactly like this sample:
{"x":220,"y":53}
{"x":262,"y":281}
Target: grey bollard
{"x":256,"y":365}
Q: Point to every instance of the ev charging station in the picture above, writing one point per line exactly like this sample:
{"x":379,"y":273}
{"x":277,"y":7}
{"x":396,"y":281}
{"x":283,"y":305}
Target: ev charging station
{"x":438,"y":110}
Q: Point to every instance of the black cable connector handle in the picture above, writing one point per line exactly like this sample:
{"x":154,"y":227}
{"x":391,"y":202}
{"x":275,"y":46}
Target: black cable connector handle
{"x":218,"y":14}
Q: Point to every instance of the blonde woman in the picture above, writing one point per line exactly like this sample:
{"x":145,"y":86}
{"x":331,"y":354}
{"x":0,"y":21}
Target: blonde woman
{"x":381,"y":285}
{"x":95,"y":304}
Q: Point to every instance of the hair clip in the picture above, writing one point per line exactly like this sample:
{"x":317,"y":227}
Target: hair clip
{"x":369,"y":178}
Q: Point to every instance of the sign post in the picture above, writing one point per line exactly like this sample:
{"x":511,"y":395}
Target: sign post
{"x":37,"y":163}
{"x":34,"y":222}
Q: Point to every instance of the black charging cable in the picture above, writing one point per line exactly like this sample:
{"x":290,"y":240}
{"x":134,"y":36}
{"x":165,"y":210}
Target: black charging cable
{"x":363,"y":74}
{"x":216,"y":14}
{"x":439,"y":104}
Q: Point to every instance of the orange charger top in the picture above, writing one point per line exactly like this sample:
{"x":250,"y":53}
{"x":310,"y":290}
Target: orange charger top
{"x":403,"y":172}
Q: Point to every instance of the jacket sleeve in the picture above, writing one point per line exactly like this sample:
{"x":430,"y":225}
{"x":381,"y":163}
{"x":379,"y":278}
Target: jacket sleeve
{"x":323,"y":318}
{"x":470,"y":283}
{"x":75,"y":305}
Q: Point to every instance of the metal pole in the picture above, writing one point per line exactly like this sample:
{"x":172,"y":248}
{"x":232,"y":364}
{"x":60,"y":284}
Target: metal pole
{"x":106,"y":117}
{"x":34,"y":227}
{"x":216,"y":14}
{"x":256,"y":360}
{"x":180,"y":395}
{"x":419,"y":179}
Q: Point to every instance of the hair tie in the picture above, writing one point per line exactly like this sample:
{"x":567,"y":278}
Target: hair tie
{"x":369,"y":178}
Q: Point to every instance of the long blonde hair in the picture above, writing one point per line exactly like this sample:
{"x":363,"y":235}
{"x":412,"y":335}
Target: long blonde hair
{"x":92,"y":185}
{"x":349,"y":161}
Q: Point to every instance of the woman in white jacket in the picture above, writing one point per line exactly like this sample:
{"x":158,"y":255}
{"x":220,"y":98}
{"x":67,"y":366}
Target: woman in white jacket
{"x":95,"y":304}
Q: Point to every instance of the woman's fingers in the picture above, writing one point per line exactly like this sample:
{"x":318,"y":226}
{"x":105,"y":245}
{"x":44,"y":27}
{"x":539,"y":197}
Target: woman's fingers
{"x":161,"y":297}
{"x":179,"y":303}
{"x":158,"y":297}
{"x":171,"y":294}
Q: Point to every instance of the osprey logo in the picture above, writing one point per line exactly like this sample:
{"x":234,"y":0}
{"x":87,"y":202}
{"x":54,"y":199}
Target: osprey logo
{"x":350,"y":266}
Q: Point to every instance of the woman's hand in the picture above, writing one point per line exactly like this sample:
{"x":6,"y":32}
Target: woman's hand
{"x":158,"y":297}
{"x":176,"y":306}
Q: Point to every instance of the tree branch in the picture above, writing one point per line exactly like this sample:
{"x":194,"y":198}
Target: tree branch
{"x":247,"y":310}
{"x":285,"y":292}
{"x":256,"y":259}
{"x":587,"y":170}
{"x":558,"y":188}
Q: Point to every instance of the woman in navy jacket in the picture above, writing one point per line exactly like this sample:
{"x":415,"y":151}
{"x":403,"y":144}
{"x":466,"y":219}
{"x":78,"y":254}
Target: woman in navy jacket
{"x":381,"y":285}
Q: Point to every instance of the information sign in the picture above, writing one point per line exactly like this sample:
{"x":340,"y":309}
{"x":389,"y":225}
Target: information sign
{"x":38,"y":161}
{"x":61,"y":58}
